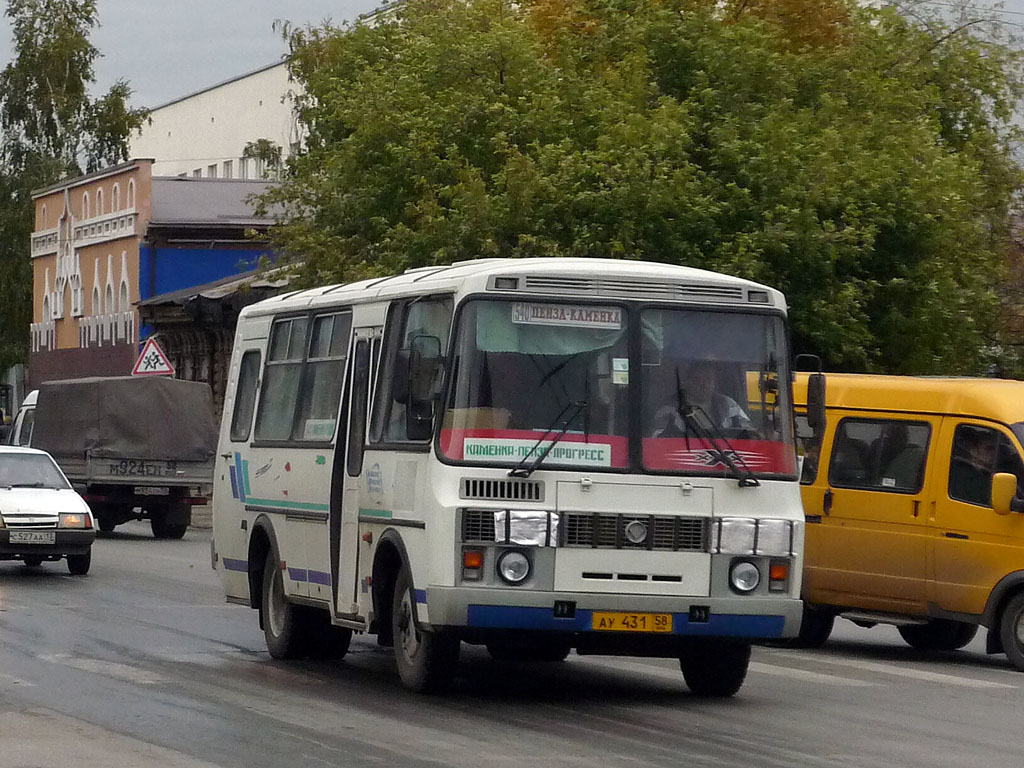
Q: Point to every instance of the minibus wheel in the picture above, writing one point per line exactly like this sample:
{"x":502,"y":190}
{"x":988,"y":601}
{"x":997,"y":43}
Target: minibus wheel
{"x":426,"y":661}
{"x":1011,"y":631}
{"x":938,"y":635}
{"x":815,"y":628}
{"x":714,"y":667}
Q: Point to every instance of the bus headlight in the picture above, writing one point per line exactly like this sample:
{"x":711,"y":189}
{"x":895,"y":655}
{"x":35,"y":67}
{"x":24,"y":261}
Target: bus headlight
{"x":747,"y":536}
{"x":513,"y":567}
{"x":744,"y":576}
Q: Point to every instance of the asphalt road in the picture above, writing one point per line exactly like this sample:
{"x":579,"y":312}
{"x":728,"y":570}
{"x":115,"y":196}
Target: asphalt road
{"x":142,"y":663}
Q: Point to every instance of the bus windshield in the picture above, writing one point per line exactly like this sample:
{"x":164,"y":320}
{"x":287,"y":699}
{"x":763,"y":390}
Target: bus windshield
{"x":708,"y":390}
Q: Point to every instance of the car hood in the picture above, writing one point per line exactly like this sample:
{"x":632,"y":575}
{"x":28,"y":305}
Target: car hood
{"x":29,"y":501}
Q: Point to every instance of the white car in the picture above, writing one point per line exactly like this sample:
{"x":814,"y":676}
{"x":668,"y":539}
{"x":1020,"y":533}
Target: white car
{"x":41,"y":516}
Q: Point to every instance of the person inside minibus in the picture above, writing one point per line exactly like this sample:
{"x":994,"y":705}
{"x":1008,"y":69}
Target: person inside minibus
{"x":973,"y":464}
{"x":698,"y":388}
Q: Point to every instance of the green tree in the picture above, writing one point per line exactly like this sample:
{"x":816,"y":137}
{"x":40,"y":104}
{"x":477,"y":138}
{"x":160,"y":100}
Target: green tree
{"x":50,"y":128}
{"x":857,"y":158}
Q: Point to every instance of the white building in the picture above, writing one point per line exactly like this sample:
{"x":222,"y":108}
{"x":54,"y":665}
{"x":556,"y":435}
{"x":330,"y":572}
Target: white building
{"x":205,"y":133}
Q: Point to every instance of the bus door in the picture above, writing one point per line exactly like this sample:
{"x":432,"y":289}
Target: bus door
{"x":346,"y":471}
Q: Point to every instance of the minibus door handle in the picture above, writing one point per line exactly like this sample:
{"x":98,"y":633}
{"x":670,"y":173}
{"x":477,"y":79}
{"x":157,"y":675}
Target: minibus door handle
{"x":917,"y":507}
{"x":827,"y":505}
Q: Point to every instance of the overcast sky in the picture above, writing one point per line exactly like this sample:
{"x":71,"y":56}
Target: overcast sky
{"x":170,"y":48}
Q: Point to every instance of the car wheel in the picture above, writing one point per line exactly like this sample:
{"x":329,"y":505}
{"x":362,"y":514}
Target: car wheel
{"x":938,"y":635}
{"x":714,"y":667}
{"x":1011,"y":631}
{"x":426,"y":660}
{"x":78,"y":565}
{"x":283,"y":627}
{"x":32,"y":562}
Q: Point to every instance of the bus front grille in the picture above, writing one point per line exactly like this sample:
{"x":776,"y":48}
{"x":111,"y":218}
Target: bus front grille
{"x":602,"y":530}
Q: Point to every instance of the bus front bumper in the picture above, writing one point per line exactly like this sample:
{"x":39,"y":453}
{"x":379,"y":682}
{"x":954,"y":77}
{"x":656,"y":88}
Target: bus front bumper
{"x":754,"y":618}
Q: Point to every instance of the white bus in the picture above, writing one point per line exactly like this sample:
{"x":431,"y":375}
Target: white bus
{"x":535,"y":455}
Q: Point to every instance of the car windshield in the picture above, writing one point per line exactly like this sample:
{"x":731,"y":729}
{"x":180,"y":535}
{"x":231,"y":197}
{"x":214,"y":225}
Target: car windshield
{"x":529,"y":373}
{"x":30,"y":470}
{"x":715,"y":393}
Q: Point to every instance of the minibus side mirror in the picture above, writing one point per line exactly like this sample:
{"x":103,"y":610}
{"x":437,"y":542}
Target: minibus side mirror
{"x":816,"y":403}
{"x":1004,"y":488}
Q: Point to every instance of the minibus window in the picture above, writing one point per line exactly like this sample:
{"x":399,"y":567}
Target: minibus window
{"x":879,"y":454}
{"x":245,"y":396}
{"x":276,"y":415}
{"x":978,"y":453}
{"x":321,"y":384}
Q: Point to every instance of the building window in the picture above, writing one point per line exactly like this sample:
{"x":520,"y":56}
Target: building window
{"x":211,"y":171}
{"x":226,"y":167}
{"x":131,"y":193}
{"x":99,"y":202}
{"x":197,"y":173}
{"x":115,"y":198}
{"x":45,"y":223}
{"x":85,"y":205}
{"x":243,"y":168}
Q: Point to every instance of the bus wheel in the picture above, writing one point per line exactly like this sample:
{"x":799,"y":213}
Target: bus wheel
{"x":714,"y":667}
{"x":282,"y":624}
{"x":815,"y":628}
{"x":1011,"y":631}
{"x":426,"y":660}
{"x":326,"y":641}
{"x":938,"y":635}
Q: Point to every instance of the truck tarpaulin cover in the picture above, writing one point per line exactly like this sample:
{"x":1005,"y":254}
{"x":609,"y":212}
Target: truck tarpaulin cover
{"x":148,"y":417}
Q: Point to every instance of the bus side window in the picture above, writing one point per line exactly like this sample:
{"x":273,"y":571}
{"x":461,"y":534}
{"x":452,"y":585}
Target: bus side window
{"x":245,"y":396}
{"x":408,"y":324}
{"x":357,"y":421}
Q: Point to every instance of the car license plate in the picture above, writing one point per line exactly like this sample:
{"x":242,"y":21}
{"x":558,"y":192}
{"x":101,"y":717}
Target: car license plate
{"x":33,"y":537}
{"x":631,"y":622}
{"x":144,"y":490}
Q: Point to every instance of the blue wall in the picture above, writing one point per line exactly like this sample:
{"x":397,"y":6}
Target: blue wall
{"x":162,"y":270}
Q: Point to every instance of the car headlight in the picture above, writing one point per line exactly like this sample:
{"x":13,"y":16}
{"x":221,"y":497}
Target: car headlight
{"x":744,"y":576}
{"x":513,"y":567}
{"x":747,"y":536}
{"x":74,"y":520}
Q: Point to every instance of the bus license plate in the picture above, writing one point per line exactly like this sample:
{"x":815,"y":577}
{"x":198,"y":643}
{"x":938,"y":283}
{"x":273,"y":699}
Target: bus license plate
{"x":33,"y":537}
{"x":631,"y":622}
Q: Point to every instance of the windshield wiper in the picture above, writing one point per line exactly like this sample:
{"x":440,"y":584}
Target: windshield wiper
{"x":37,"y":484}
{"x":521,"y":470}
{"x":713,"y":435}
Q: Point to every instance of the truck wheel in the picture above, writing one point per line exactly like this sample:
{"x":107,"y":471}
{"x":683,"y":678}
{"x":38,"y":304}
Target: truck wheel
{"x":714,"y":667}
{"x":938,"y":635}
{"x":426,"y":660}
{"x":162,"y":530}
{"x":32,"y":562}
{"x":1011,"y":631}
{"x":78,"y":565}
{"x":282,"y":622}
{"x":105,"y":524}
{"x":815,"y":628}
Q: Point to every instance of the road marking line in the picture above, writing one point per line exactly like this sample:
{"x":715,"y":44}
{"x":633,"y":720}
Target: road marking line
{"x":817,"y":678}
{"x":106,"y":668}
{"x":891,"y":669}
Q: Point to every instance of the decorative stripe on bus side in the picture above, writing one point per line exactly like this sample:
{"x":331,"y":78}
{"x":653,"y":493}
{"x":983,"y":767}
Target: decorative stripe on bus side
{"x":319,"y":577}
{"x":725,"y":625}
{"x":284,"y":504}
{"x":385,"y":513}
{"x":297,"y":574}
{"x":231,"y":564}
{"x":420,"y":595}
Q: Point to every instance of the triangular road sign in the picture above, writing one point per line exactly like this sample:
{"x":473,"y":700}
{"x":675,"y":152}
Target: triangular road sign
{"x":152,"y":361}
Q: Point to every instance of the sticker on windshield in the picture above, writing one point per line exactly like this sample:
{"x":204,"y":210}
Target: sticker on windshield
{"x":620,"y":370}
{"x":510,"y":449}
{"x":567,"y":315}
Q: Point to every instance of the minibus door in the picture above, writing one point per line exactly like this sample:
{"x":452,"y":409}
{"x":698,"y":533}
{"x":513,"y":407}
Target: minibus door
{"x":871,"y":549}
{"x":345,"y":479}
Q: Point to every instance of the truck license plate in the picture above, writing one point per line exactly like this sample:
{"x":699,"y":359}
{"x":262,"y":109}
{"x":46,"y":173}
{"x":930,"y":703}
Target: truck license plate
{"x":143,"y":490}
{"x":631,"y":622}
{"x":33,"y":537}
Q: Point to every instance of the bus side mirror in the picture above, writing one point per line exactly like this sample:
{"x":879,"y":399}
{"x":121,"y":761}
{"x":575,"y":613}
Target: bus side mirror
{"x":424,"y":369}
{"x":816,"y":403}
{"x":1004,"y":488}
